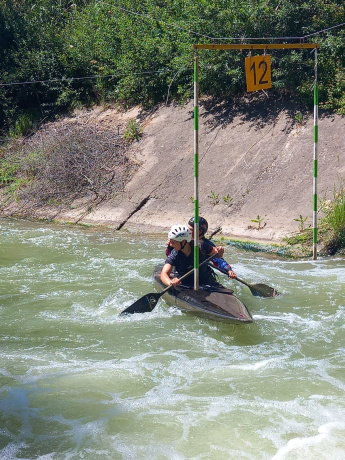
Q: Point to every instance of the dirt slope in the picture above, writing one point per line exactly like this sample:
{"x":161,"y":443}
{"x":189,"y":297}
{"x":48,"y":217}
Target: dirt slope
{"x":263,"y":160}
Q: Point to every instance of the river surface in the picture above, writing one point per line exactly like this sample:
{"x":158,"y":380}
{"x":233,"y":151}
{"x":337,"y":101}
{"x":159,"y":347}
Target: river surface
{"x":79,"y":381}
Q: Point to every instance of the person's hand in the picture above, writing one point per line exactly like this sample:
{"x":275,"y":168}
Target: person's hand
{"x":220,"y":251}
{"x":232,"y":274}
{"x":175,"y":282}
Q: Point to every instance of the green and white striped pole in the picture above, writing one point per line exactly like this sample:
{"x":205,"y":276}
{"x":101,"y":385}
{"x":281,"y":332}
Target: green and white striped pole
{"x":196,"y":173}
{"x":316,"y":138}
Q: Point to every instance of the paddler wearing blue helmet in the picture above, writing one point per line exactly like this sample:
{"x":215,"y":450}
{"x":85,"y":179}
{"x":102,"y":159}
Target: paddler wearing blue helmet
{"x":217,"y":262}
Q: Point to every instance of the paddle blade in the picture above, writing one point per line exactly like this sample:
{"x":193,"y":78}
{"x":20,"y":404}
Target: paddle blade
{"x":262,"y":290}
{"x":143,"y":305}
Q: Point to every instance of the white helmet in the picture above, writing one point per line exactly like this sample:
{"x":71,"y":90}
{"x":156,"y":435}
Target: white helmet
{"x":180,"y":233}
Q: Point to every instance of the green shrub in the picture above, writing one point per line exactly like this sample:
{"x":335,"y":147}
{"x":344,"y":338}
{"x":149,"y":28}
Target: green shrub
{"x":331,"y":227}
{"x":258,"y":221}
{"x":24,"y":125}
{"x":305,"y":238}
{"x":301,"y":221}
{"x":133,"y":131}
{"x":8,"y":172}
{"x":334,"y":210}
{"x":214,"y":198}
{"x":90,"y":51}
{"x":334,"y":220}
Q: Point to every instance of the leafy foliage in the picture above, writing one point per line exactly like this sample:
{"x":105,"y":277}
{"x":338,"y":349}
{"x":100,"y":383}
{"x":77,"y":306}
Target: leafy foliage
{"x":331,"y":227}
{"x":334,"y":220}
{"x":141,"y":52}
{"x":133,"y":131}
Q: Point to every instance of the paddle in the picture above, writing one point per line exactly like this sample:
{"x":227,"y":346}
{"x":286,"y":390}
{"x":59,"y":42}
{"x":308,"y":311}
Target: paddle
{"x":217,"y":230}
{"x":259,"y":290}
{"x":148,"y":302}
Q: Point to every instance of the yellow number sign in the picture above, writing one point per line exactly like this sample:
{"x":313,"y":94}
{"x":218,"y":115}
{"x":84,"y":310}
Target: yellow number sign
{"x":258,"y":72}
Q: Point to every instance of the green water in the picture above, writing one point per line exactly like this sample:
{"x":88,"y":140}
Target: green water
{"x":78,"y":381}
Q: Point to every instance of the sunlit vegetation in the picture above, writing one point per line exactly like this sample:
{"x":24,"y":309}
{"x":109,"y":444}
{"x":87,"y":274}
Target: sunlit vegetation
{"x":130,"y":52}
{"x":334,"y":221}
{"x":331,"y":226}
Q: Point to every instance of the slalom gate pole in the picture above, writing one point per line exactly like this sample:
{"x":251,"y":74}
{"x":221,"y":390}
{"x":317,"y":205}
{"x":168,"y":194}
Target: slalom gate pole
{"x":196,"y":172}
{"x":250,"y":46}
{"x":315,"y":165}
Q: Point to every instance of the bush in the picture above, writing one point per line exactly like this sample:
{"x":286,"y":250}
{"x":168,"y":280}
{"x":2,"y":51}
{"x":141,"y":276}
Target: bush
{"x":133,"y":131}
{"x":141,"y":52}
{"x":23,"y":126}
{"x":334,"y":220}
{"x":331,"y":227}
{"x":66,"y":161}
{"x":8,"y":171}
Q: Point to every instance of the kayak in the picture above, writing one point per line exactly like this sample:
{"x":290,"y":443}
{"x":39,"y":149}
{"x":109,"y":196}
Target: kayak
{"x":218,"y":303}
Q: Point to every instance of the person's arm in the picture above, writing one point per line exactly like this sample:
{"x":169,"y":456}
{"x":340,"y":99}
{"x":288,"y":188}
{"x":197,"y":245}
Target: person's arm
{"x":218,"y":261}
{"x":209,"y":248}
{"x":222,"y":263}
{"x":220,"y":252}
{"x":165,"y":276}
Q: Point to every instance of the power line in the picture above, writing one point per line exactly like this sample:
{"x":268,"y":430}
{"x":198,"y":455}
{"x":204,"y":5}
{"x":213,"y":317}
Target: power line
{"x":158,"y":20}
{"x":325,"y":30}
{"x":198,"y":33}
{"x":91,"y":77}
{"x":148,"y":16}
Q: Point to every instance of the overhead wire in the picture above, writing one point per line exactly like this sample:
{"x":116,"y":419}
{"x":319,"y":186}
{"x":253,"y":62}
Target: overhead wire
{"x":148,"y":16}
{"x":198,"y":33}
{"x":91,"y":77}
{"x":324,"y":30}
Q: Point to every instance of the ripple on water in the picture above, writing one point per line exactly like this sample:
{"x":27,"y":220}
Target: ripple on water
{"x":79,"y":381}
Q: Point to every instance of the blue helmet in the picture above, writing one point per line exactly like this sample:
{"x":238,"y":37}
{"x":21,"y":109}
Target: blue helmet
{"x":203,"y":224}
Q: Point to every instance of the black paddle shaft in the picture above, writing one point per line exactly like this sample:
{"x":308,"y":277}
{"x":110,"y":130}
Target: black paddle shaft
{"x":148,"y":302}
